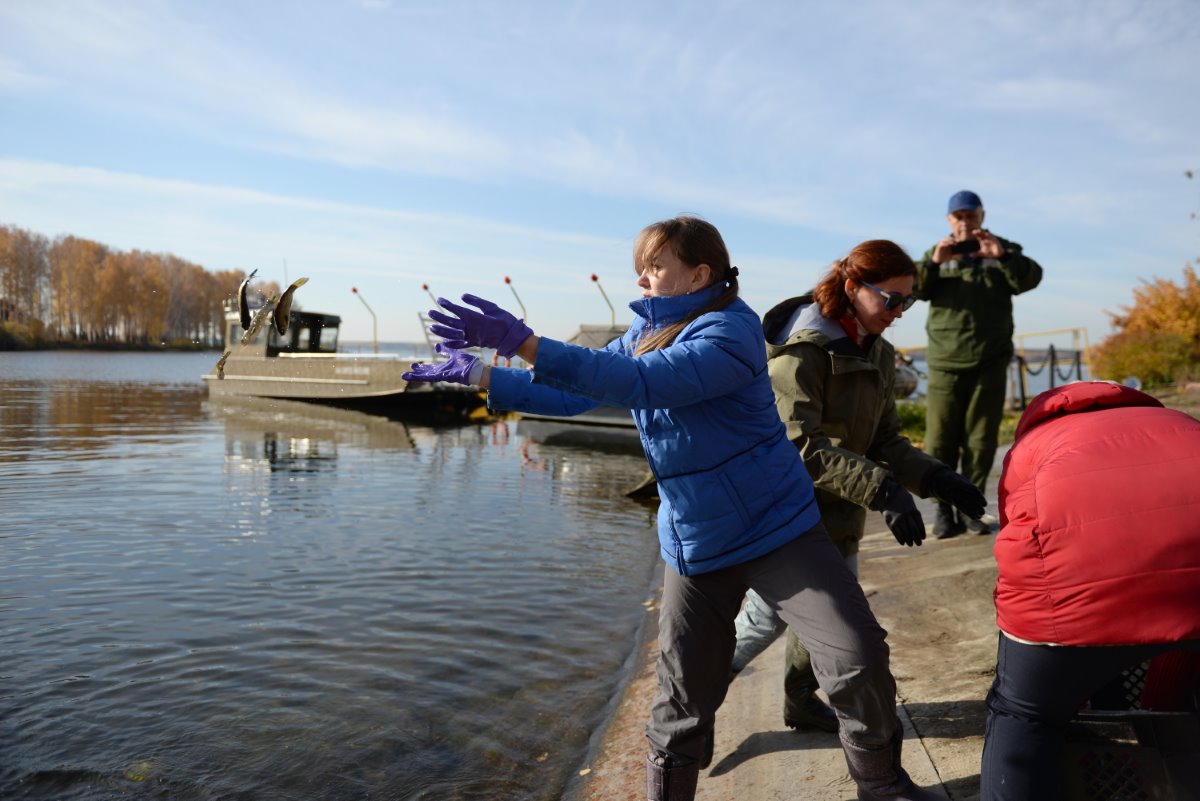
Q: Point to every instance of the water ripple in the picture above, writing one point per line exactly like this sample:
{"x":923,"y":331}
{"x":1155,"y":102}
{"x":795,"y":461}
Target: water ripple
{"x":198,"y":604}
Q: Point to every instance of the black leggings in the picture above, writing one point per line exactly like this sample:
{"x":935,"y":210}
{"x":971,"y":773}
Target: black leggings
{"x":1037,"y":691}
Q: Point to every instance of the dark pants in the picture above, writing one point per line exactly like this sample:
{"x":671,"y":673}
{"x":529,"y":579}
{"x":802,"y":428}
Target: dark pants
{"x":799,"y":680}
{"x":963,"y":410}
{"x":818,"y":597}
{"x":1037,"y":691}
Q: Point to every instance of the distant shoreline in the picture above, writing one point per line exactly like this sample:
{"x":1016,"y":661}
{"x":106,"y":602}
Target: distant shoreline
{"x":108,"y":348}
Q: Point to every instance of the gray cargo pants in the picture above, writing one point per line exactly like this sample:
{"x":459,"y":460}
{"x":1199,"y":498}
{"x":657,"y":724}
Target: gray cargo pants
{"x":815,"y":593}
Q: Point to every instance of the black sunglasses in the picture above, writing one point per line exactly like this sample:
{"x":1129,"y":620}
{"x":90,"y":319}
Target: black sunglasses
{"x":891,"y":300}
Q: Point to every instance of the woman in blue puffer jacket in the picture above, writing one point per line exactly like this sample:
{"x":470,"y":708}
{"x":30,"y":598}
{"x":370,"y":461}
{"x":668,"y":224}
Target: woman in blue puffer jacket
{"x":737,"y":507}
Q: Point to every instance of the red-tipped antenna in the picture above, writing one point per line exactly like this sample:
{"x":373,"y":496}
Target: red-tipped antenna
{"x":430,"y":294}
{"x":596,"y":279}
{"x":508,"y":281}
{"x":374,"y":322}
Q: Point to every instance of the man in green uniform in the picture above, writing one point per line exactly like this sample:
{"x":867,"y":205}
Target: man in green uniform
{"x":969,"y":279}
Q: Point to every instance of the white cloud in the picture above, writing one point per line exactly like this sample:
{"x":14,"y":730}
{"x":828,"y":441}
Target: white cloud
{"x":20,"y":175}
{"x":800,"y":122}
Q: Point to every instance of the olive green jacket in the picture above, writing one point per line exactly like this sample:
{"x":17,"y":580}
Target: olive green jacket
{"x":970,"y":322}
{"x":840,"y":412}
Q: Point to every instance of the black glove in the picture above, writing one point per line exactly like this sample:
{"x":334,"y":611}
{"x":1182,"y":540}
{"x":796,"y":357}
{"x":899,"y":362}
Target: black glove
{"x":899,"y":512}
{"x":952,"y":488}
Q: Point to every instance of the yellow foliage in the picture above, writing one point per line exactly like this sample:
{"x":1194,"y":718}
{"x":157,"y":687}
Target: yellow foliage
{"x":78,"y":290}
{"x":1158,"y":337}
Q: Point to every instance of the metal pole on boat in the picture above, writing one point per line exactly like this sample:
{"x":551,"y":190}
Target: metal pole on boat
{"x":430,"y":294}
{"x":374,"y":322}
{"x":508,"y":281}
{"x":596,"y":279}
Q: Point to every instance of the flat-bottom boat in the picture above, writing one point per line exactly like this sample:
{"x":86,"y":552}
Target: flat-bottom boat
{"x":304,"y":365}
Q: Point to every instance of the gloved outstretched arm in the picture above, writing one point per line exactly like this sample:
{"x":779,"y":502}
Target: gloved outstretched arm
{"x":490,"y":327}
{"x":459,"y":368}
{"x":949,"y":486}
{"x":899,"y":512}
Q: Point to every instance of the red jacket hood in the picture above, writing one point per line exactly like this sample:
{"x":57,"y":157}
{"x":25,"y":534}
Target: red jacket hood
{"x":1100,"y":515}
{"x":1082,"y":396}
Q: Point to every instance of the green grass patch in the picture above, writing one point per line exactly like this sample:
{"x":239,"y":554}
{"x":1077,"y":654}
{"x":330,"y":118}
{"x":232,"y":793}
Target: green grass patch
{"x":912,"y":421}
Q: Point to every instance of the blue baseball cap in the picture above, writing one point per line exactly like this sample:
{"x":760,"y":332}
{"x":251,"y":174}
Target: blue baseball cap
{"x":964,"y":201}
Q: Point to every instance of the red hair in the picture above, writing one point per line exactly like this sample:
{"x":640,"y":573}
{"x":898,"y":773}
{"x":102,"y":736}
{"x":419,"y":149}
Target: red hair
{"x":872,"y":261}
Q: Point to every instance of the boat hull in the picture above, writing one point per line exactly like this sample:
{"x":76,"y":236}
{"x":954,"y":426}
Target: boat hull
{"x":310,"y":377}
{"x":367,"y":383}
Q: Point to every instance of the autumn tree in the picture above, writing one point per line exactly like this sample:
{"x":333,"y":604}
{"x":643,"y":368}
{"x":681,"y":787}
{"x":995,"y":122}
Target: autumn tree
{"x":189,"y":294}
{"x":24,"y":275}
{"x":1158,"y":337}
{"x":79,"y":290}
{"x":148,"y":317}
{"x":108,"y":302}
{"x":74,"y":263}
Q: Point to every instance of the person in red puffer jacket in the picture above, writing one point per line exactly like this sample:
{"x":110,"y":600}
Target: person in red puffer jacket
{"x":1099,"y":567}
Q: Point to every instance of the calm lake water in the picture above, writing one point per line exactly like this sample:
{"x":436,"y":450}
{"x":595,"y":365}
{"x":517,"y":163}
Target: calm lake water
{"x":282,"y":601}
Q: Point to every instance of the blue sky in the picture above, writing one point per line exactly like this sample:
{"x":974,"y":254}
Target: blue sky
{"x":382,"y":145}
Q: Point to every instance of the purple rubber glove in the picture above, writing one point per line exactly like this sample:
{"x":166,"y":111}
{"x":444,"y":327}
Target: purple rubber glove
{"x":490,"y":327}
{"x":459,"y":368}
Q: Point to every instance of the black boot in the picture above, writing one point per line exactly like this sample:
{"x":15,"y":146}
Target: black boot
{"x":811,"y":714}
{"x":801,"y":708}
{"x":879,"y":776}
{"x":946,"y":523}
{"x":975,"y":526}
{"x":710,"y":743}
{"x":667,"y":781}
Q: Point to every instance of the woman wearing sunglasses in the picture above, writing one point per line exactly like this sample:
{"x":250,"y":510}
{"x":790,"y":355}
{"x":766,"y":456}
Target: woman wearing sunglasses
{"x":833,"y":375}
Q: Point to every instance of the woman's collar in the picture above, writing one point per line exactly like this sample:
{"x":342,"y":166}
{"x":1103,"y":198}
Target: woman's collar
{"x":668,"y":309}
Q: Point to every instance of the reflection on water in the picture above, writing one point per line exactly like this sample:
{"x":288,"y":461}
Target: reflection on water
{"x":43,"y":422}
{"x":261,"y":601}
{"x":298,"y":436}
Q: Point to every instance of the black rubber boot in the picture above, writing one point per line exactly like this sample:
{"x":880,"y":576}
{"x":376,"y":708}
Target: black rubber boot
{"x":812,"y":714}
{"x":879,"y":776}
{"x":946,"y":523}
{"x":667,"y":781}
{"x":801,"y":708}
{"x":975,"y":526}
{"x":710,"y":743}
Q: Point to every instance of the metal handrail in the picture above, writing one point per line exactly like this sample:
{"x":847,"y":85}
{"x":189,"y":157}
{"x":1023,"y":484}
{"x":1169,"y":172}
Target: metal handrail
{"x":1062,"y":370}
{"x":1078,"y":333}
{"x":1074,"y":372}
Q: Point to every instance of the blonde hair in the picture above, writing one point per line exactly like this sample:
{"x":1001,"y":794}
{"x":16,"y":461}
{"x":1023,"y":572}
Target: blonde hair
{"x":694,"y":241}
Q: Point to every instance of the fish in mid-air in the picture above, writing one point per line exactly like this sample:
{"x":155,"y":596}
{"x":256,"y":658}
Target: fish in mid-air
{"x":283,"y":308}
{"x":243,"y":303}
{"x":278,"y":309}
